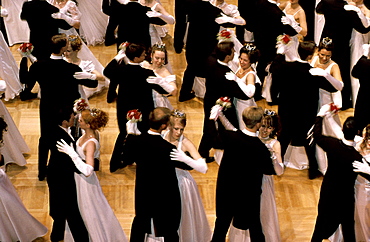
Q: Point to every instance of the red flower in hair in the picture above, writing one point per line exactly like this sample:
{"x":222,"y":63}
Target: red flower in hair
{"x":134,"y":115}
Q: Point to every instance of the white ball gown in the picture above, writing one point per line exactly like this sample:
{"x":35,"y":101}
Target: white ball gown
{"x":16,"y":223}
{"x":98,"y":216}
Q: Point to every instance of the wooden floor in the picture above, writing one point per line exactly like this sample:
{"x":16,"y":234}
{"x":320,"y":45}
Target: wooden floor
{"x":296,"y":195}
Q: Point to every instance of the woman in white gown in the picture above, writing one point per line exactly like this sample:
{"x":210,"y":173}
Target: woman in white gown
{"x":68,"y":10}
{"x":93,"y":21}
{"x":246,"y":77}
{"x":295,"y":12}
{"x":98,"y":216}
{"x":269,"y":215}
{"x":16,"y":223}
{"x":71,"y":55}
{"x":323,"y":61}
{"x":158,"y":63}
{"x":194,"y":224}
{"x":362,"y":193}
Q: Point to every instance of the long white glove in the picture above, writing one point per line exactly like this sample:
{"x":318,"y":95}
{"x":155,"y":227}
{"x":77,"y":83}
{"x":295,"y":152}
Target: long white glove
{"x":167,"y":18}
{"x":3,"y":12}
{"x":227,"y":19}
{"x":131,"y":128}
{"x":84,"y":75}
{"x":288,"y":21}
{"x":84,"y":168}
{"x":31,"y":57}
{"x":349,"y":7}
{"x":361,"y":166}
{"x":161,"y":82}
{"x":280,"y":48}
{"x":248,"y":89}
{"x":63,"y":16}
{"x":230,"y":76}
{"x":321,"y":72}
{"x":365,"y":49}
{"x":198,"y":165}
{"x":324,"y":110}
{"x":215,"y":112}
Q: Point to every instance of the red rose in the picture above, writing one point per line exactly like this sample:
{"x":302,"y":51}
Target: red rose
{"x":285,"y":39}
{"x":334,"y":108}
{"x":225,"y":99}
{"x":225,"y":34}
{"x":134,"y":115}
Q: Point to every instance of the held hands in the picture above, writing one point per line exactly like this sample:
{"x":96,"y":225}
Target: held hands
{"x":131,"y":128}
{"x":361,"y":166}
{"x":84,"y":75}
{"x":215,"y":112}
{"x":153,"y":14}
{"x":230,"y":76}
{"x":324,"y":110}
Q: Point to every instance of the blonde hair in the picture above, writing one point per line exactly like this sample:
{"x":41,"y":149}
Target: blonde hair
{"x":96,"y":118}
{"x":75,"y":42}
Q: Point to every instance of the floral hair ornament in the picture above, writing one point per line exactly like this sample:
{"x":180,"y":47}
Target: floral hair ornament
{"x":225,"y":35}
{"x":178,"y":114}
{"x":80,"y":105}
{"x":269,"y":112}
{"x":70,"y":38}
{"x":327,"y":41}
{"x":94,"y":112}
{"x":159,"y":45}
{"x":124,"y":45}
{"x":284,"y":38}
{"x":224,"y":102}
{"x":134,"y":115}
{"x":26,"y":48}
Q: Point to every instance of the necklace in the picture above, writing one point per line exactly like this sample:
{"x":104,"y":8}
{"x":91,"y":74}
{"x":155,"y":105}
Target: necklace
{"x":242,"y":72}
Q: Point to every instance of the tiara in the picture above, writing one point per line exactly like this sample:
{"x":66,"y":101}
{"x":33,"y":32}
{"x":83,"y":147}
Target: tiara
{"x":269,"y":112}
{"x":160,"y":45}
{"x":327,"y":41}
{"x":178,"y":114}
{"x":72,"y":38}
{"x":94,"y":112}
{"x":249,"y":47}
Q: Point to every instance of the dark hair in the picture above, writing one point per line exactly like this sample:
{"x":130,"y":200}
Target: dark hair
{"x":58,"y":42}
{"x":134,"y":50}
{"x":272,"y":120}
{"x":349,"y":128}
{"x":64,"y":113}
{"x":224,"y":49}
{"x":3,"y":128}
{"x":159,"y":116}
{"x":306,"y":48}
{"x":326,"y":43}
{"x":251,"y":50}
{"x":162,"y":48}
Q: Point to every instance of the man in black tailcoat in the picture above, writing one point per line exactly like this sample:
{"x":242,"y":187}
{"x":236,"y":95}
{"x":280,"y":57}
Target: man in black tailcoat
{"x":195,"y":23}
{"x":61,"y":182}
{"x":266,"y":27}
{"x":218,"y":86}
{"x":339,"y":24}
{"x":295,"y":82}
{"x":239,"y":181}
{"x":157,"y":194}
{"x":130,"y":79}
{"x":133,"y":23}
{"x":59,"y":81}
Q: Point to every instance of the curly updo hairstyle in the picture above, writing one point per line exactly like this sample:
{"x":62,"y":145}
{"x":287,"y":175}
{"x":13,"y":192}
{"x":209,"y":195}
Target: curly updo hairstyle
{"x":75,"y":42}
{"x":251,"y":50}
{"x":95,"y":117}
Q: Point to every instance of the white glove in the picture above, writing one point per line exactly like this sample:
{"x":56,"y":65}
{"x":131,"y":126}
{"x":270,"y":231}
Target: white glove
{"x":280,"y":48}
{"x":84,"y":168}
{"x":230,"y":76}
{"x":215,"y":112}
{"x":288,"y":21}
{"x":365,"y":49}
{"x":153,"y":14}
{"x":361,"y":166}
{"x":84,"y":75}
{"x":349,"y":7}
{"x":324,"y":110}
{"x":333,"y":81}
{"x":161,"y":82}
{"x":63,"y":16}
{"x":120,"y":55}
{"x":31,"y":57}
{"x":199,"y":165}
{"x":131,"y":128}
{"x":3,"y":12}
